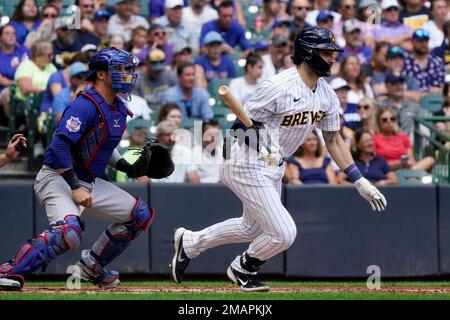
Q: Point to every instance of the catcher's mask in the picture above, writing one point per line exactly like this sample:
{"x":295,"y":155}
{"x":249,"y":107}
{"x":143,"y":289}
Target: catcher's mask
{"x":120,"y":64}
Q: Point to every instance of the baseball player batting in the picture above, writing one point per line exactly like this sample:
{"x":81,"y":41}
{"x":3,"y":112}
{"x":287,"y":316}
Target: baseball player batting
{"x":289,"y":105}
{"x":68,"y":185}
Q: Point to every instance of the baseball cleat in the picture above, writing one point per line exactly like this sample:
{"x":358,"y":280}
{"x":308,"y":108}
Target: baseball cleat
{"x":105,"y":279}
{"x":247,"y":282}
{"x":180,"y":260}
{"x":7,"y":284}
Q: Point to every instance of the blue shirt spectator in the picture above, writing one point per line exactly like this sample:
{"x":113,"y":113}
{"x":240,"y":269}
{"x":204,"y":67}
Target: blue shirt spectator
{"x":375,"y":170}
{"x":22,"y":30}
{"x":11,"y":53}
{"x":193,"y":101}
{"x":62,"y":100}
{"x":58,"y":78}
{"x":156,"y":8}
{"x":25,"y":18}
{"x":231,"y":31}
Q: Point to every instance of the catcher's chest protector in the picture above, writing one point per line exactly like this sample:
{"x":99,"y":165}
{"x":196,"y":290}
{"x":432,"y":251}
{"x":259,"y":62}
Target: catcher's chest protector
{"x":96,"y":146}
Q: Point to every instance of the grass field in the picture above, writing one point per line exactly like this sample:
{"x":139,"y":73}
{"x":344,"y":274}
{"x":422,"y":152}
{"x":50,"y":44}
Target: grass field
{"x":165,"y":290}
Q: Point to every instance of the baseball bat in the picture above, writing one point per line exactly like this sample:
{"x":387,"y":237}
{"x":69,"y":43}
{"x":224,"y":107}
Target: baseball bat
{"x":231,"y":101}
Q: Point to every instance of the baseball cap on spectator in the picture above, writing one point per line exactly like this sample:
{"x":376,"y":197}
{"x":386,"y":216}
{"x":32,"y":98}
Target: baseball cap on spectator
{"x":101,"y":14}
{"x":395,"y":52}
{"x":421,"y":34}
{"x":213,"y":37}
{"x":183,"y":50}
{"x":155,"y":26}
{"x":78,"y":69}
{"x":156,"y":59}
{"x":170,"y":4}
{"x":261,"y":45}
{"x":135,"y":124}
{"x":386,"y":4}
{"x":281,"y":23}
{"x":89,"y":47}
{"x":366,"y":3}
{"x":392,"y":78}
{"x":324,"y":15}
{"x":339,"y":83}
{"x":279,"y":40}
{"x":351,"y":26}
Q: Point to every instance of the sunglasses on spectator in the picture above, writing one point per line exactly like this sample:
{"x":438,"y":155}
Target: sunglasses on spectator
{"x":302,"y":8}
{"x":157,"y":34}
{"x":390,"y":119}
{"x":49,"y":15}
{"x":88,"y":6}
{"x":365,"y":107}
{"x":350,"y":6}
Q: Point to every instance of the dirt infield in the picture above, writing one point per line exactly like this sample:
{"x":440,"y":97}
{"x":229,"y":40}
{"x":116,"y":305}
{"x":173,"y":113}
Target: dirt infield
{"x":54,"y":290}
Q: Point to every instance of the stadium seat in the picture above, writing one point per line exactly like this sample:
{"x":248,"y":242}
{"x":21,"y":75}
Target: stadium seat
{"x":413,"y":177}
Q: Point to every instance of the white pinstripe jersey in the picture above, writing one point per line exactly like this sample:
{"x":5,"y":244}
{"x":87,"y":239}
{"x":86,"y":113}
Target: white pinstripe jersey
{"x":290,"y":110}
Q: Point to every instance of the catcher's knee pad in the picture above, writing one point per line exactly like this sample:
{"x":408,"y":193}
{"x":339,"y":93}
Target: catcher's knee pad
{"x":119,"y":236}
{"x":42,"y":249}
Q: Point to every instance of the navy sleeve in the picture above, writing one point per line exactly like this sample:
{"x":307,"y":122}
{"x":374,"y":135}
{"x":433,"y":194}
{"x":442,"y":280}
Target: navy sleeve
{"x":230,"y":67}
{"x":243,"y":42}
{"x":385,"y":166}
{"x":205,"y":29}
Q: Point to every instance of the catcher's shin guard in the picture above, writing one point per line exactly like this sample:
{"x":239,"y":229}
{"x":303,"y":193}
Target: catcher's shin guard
{"x":119,"y":236}
{"x":44,"y":248}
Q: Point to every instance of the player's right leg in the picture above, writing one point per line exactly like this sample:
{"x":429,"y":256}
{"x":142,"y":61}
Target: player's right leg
{"x":63,"y":234}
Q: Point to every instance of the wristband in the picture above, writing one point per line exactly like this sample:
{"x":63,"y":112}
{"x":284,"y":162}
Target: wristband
{"x":71,"y":179}
{"x":353,"y":173}
{"x":124,"y":166}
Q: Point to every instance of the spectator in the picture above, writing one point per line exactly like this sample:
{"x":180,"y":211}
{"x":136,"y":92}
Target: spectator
{"x":78,"y":72}
{"x":181,"y":56}
{"x":273,"y":61}
{"x":193,"y":101}
{"x":367,"y":110}
{"x":181,"y":33}
{"x":32,"y":76}
{"x":57,"y":81}
{"x":87,"y":10}
{"x":67,"y":40}
{"x":347,"y":8}
{"x":404,"y":108}
{"x":157,"y":38}
{"x":45,"y":31}
{"x":352,"y":72}
{"x":395,"y":63}
{"x":213,"y":65}
{"x":351,"y":117}
{"x":377,"y":65}
{"x":197,"y":14}
{"x":395,"y":147}
{"x":391,"y":29}
{"x":117,"y":41}
{"x":170,"y":112}
{"x":373,"y":168}
{"x":11,"y":153}
{"x":57,"y":3}
{"x":444,"y":126}
{"x":321,"y":6}
{"x":269,"y":15}
{"x":366,"y":9}
{"x":138,"y":44}
{"x":354,"y":44}
{"x":299,"y":10}
{"x":100,"y":23}
{"x":154,"y":80}
{"x":25,"y":19}
{"x":243,"y":87}
{"x":414,"y":13}
{"x":325,"y":19}
{"x":426,"y":68}
{"x":11,"y":55}
{"x":139,"y":133}
{"x":444,"y":50}
{"x":208,"y":169}
{"x":439,"y":11}
{"x":124,"y":21}
{"x":157,"y":8}
{"x":185,"y":169}
{"x":231,"y":31}
{"x":261,"y":48}
{"x":139,"y":107}
{"x":309,"y":165}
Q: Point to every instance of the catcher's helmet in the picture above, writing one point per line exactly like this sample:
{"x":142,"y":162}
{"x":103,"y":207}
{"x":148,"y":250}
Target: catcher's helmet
{"x":122,"y":66}
{"x":307,"y":45}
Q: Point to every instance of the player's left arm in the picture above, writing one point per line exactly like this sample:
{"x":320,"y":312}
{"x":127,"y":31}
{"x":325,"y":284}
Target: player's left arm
{"x":340,"y":153}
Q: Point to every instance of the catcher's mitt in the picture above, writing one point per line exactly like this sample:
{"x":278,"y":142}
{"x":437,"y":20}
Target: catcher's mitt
{"x":154,"y":161}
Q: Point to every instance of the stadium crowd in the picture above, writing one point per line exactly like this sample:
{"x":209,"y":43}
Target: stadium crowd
{"x":395,"y":52}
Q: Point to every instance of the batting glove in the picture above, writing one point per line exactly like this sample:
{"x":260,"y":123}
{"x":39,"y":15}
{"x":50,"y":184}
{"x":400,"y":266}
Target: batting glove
{"x":371,"y":194}
{"x":272,"y":158}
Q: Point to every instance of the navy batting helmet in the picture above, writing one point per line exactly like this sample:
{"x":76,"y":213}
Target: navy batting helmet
{"x":307,"y":45}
